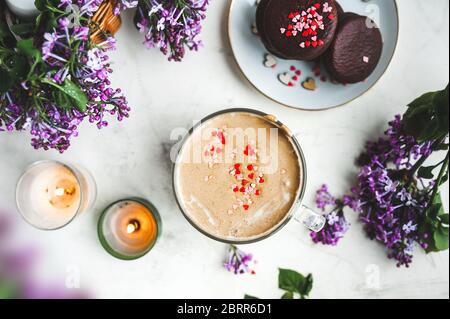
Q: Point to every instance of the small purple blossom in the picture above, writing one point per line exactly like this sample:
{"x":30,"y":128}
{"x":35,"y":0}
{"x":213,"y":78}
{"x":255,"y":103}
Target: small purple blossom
{"x":238,"y":261}
{"x":172,"y":26}
{"x":336,"y":225}
{"x":123,"y":5}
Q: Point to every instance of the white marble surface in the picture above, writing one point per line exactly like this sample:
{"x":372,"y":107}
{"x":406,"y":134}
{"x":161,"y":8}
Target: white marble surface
{"x":130,"y":159}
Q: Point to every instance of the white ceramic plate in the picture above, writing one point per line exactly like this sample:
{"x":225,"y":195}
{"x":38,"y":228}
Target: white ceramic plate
{"x":250,"y":53}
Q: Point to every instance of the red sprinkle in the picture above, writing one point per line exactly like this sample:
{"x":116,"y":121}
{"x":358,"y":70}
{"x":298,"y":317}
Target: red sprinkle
{"x":236,"y":189}
{"x":250,"y":167}
{"x":257,"y":192}
{"x":331,"y":17}
{"x":251,"y":176}
{"x":317,"y":5}
{"x":242,"y":190}
{"x":244,"y":182}
{"x":298,"y":72}
{"x":246,"y":207}
{"x":293,"y":68}
{"x":237,"y":166}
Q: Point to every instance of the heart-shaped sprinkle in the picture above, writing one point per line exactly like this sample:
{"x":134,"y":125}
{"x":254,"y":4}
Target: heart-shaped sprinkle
{"x":302,"y":45}
{"x":246,"y":207}
{"x":295,"y":78}
{"x":366,"y":59}
{"x":250,"y":167}
{"x":284,"y":78}
{"x":314,"y":38}
{"x":309,"y":84}
{"x":270,"y":61}
{"x":251,"y":176}
{"x":298,"y":72}
{"x":282,"y":30}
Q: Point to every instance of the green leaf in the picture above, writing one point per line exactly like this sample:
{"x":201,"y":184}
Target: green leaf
{"x":441,"y":239}
{"x":426,"y":172}
{"x":427,"y":117}
{"x":13,"y":71}
{"x":250,"y":297}
{"x":23,"y":29}
{"x":306,"y":287}
{"x":441,"y":104}
{"x":288,"y":295}
{"x":76,"y":95}
{"x":290,"y":280}
{"x":434,"y":211}
{"x":40,"y":4}
{"x":6,"y":82}
{"x":26,"y":46}
{"x":4,"y":30}
{"x":444,"y":219}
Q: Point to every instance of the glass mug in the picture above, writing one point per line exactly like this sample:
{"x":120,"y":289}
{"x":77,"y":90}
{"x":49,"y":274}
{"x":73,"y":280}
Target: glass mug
{"x":297,"y":211}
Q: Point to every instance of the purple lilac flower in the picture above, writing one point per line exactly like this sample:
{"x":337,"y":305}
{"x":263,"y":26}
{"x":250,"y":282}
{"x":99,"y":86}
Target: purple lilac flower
{"x":238,"y":261}
{"x":123,"y":5}
{"x":391,"y":206}
{"x":172,"y":26}
{"x":17,"y":277}
{"x":336,"y":225}
{"x":52,"y":126}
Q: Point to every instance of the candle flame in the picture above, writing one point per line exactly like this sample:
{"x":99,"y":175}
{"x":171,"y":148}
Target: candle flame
{"x":131,"y":228}
{"x":59,"y":191}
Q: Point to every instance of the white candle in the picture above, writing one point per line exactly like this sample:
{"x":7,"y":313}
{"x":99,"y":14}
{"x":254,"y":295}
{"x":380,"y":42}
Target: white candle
{"x":50,"y":194}
{"x":129,"y":228}
{"x":23,"y":8}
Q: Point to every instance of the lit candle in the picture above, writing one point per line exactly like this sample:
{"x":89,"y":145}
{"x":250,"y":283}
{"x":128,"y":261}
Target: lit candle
{"x":129,"y":228}
{"x":23,"y":8}
{"x":50,"y":194}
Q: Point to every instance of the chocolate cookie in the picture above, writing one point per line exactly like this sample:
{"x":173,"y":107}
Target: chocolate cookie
{"x":297,"y":29}
{"x":356,"y":49}
{"x":340,"y":10}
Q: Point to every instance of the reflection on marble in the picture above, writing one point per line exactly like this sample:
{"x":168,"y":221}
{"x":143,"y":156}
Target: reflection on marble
{"x":130,"y":158}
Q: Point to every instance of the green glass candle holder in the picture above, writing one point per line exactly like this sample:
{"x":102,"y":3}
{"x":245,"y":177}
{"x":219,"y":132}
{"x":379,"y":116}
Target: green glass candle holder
{"x":129,"y":228}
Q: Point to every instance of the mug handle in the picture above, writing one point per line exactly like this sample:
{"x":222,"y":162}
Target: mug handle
{"x":310,"y":219}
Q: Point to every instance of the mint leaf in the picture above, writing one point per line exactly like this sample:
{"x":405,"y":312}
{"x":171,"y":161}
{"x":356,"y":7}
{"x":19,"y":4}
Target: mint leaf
{"x":250,"y":297}
{"x":306,"y":287}
{"x":288,"y":295}
{"x":290,"y":280}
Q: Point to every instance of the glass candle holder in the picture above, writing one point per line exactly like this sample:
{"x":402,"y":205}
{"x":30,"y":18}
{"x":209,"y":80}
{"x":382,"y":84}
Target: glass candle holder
{"x":50,"y":194}
{"x":24,"y":9}
{"x":129,"y":228}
